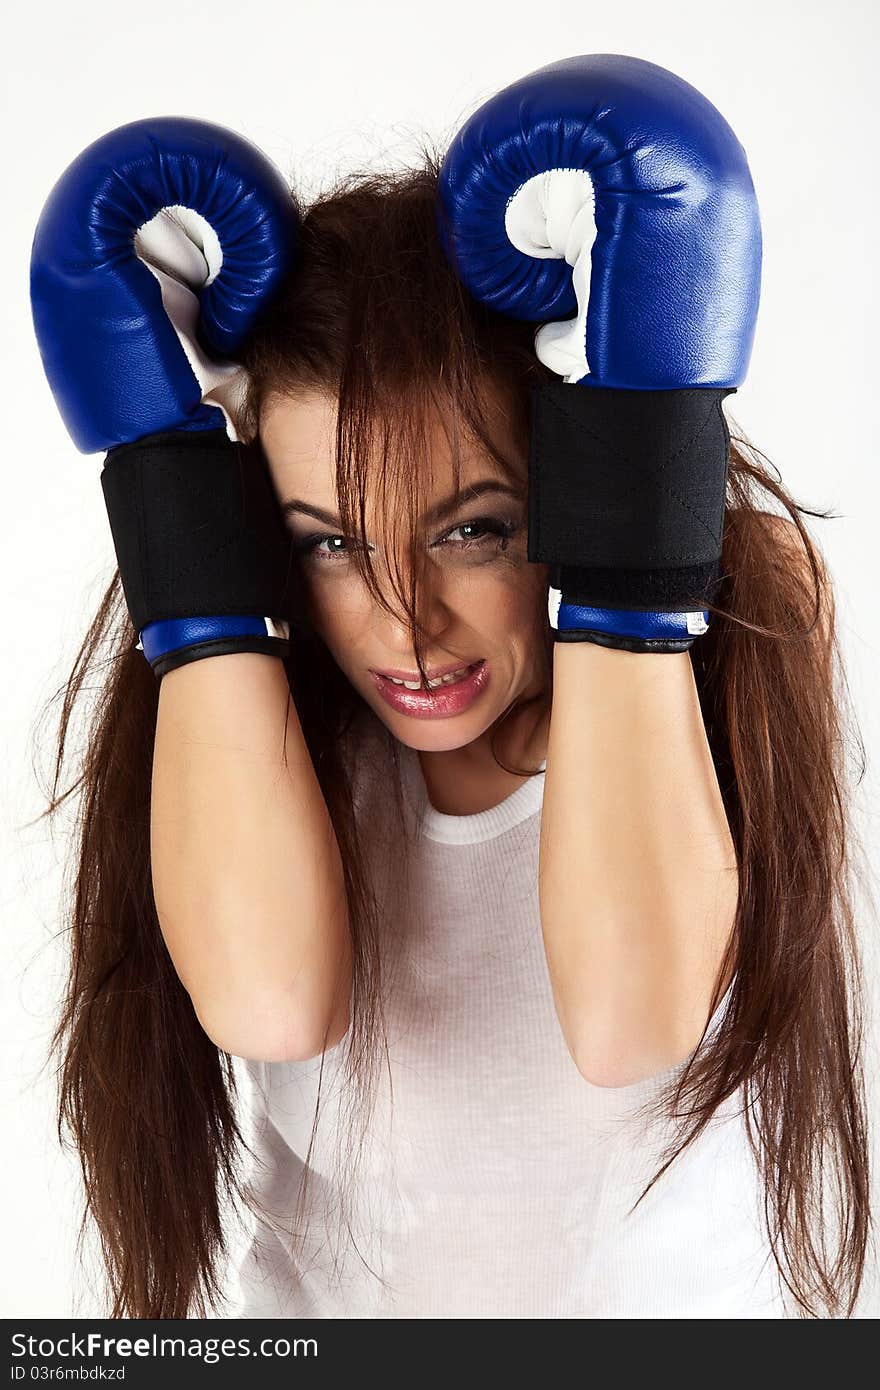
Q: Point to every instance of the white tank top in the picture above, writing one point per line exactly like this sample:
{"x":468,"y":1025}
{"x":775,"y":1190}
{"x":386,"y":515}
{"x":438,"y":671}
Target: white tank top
{"x":496,"y":1180}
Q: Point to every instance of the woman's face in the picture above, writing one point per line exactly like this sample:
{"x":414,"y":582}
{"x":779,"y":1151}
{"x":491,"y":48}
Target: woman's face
{"x":483,"y":604}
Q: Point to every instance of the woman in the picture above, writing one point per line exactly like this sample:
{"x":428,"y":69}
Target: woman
{"x":354,"y":908}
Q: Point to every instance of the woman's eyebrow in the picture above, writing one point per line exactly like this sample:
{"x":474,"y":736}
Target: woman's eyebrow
{"x":435,"y":513}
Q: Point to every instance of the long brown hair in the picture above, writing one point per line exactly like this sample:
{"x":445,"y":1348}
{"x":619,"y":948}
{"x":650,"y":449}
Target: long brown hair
{"x":373,"y":313}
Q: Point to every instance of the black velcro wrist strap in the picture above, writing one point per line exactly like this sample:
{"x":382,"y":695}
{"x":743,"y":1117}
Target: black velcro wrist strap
{"x":627,"y":488}
{"x":682,"y":589}
{"x":197,"y":528}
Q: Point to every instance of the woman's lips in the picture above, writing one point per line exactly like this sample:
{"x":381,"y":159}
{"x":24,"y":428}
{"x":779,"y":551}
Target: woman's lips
{"x":442,"y":703}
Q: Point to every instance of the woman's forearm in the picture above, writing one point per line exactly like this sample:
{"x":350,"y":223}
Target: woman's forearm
{"x":638,"y":877}
{"x":247,"y":876}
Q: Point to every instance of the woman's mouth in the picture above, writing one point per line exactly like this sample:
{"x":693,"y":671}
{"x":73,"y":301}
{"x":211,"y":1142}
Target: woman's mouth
{"x":452,"y":695}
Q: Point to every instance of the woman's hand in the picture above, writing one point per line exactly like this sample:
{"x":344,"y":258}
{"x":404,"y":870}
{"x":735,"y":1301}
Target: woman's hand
{"x":154,"y":254}
{"x":608,"y":188}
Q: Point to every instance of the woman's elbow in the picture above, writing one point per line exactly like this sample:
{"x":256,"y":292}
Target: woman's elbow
{"x":613,"y":1062}
{"x":272,"y":1032}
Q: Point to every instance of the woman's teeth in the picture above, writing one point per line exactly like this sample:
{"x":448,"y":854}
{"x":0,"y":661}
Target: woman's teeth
{"x":448,"y":679}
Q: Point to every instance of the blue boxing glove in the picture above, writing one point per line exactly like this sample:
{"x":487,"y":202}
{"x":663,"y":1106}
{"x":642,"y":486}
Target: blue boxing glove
{"x":607,"y":198}
{"x":153,"y":256}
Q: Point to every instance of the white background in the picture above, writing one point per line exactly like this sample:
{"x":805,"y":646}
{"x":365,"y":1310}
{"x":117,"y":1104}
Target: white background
{"x":327,"y":87}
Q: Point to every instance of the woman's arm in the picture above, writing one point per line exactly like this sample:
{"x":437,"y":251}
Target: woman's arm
{"x":638,"y":877}
{"x":638,"y":880}
{"x":247,"y":876}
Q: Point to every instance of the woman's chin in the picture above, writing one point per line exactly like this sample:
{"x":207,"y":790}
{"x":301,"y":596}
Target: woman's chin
{"x":440,"y":736}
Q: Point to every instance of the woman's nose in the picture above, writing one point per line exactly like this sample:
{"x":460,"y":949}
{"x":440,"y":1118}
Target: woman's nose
{"x":434,"y":618}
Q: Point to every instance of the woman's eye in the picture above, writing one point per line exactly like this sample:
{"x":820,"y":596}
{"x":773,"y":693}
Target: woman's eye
{"x":311,"y":547}
{"x":494,"y":533}
{"x":481,"y":534}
